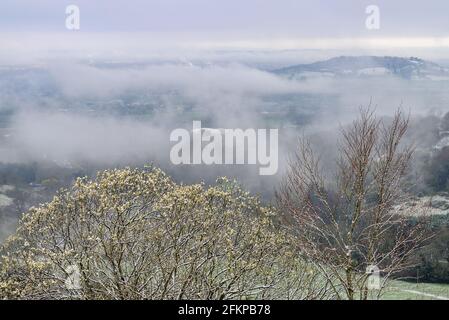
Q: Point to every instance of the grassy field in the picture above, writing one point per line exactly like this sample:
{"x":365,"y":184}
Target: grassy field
{"x":401,"y":290}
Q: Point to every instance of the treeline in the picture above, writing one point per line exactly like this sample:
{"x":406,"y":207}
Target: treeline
{"x":432,"y":261}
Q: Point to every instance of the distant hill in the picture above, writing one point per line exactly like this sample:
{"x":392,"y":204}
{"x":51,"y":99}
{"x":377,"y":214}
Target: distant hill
{"x":368,"y":66}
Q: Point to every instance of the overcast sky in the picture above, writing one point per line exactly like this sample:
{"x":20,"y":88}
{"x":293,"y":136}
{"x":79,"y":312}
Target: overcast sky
{"x":325,"y":18}
{"x":212,"y":24}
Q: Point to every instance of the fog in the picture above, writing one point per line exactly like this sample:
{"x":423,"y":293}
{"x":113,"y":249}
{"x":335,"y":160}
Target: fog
{"x":104,"y":109}
{"x":50,"y":122}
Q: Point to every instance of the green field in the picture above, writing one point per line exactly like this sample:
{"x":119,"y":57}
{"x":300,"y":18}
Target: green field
{"x":401,"y":290}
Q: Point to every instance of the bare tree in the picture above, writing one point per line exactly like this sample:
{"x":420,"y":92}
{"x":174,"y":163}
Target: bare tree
{"x":351,"y":222}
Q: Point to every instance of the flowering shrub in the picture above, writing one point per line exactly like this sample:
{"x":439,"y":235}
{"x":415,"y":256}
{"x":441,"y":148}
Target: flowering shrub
{"x":135,"y":234}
